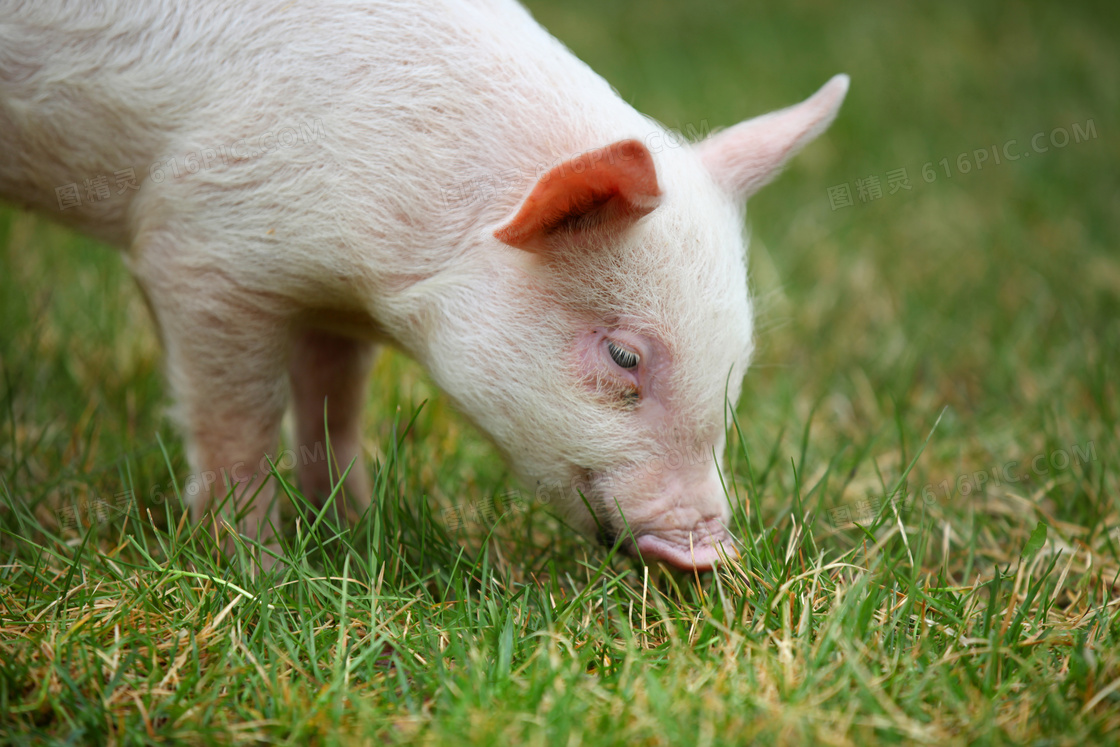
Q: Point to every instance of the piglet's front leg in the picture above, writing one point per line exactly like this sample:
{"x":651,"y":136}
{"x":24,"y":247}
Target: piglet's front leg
{"x":227,"y":353}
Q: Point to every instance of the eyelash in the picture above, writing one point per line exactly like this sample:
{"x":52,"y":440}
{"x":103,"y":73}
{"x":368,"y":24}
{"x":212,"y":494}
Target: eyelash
{"x":624,"y":357}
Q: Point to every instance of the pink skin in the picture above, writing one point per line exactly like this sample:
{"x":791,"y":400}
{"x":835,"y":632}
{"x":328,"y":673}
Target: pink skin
{"x":602,"y":374}
{"x":667,"y":523}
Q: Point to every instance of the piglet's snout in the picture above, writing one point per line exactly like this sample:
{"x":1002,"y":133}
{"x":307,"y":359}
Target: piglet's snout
{"x":677,"y":516}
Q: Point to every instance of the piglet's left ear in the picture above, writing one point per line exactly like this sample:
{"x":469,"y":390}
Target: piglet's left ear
{"x":604,"y":189}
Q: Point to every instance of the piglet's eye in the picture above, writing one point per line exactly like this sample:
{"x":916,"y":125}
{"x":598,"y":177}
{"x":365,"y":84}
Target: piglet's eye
{"x":624,"y":357}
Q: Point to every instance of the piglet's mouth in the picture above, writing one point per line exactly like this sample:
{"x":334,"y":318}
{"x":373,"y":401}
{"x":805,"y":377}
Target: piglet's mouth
{"x":699,"y":556}
{"x":687,"y":552}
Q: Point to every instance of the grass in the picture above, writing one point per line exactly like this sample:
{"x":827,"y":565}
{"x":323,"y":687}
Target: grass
{"x":911,"y":347}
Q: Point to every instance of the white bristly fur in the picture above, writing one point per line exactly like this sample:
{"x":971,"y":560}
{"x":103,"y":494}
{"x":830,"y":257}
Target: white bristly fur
{"x":289,"y":266}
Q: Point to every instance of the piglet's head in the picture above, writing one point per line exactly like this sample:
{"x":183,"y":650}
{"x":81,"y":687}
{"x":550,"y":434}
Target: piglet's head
{"x":625,"y":329}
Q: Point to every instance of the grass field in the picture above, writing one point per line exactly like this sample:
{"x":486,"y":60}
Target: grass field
{"x":927,"y":456}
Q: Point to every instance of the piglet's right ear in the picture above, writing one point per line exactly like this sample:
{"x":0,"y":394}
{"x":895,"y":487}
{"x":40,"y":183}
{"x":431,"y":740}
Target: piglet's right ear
{"x":604,"y":189}
{"x":747,"y":156}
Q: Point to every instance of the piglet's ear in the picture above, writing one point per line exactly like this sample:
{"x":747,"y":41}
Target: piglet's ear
{"x":607,"y":188}
{"x":745,"y":157}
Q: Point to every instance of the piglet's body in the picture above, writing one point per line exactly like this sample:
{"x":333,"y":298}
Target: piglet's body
{"x":293,"y":184}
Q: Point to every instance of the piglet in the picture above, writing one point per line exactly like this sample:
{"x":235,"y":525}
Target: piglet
{"x":295,"y":184}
